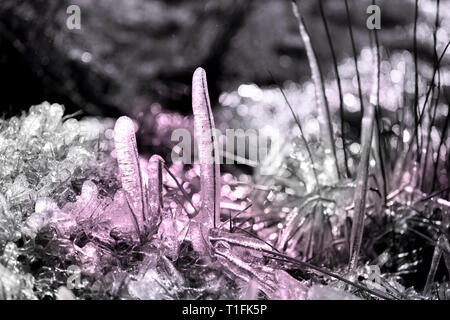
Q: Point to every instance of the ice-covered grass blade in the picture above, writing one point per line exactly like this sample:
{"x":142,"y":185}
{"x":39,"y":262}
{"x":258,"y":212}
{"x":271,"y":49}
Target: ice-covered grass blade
{"x":208,"y":147}
{"x":155,"y":188}
{"x":129,"y":168}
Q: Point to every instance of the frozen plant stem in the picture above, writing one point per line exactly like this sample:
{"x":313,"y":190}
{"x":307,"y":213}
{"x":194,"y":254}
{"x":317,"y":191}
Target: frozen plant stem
{"x":208,"y":146}
{"x":367,"y":126}
{"x":130,"y":172}
{"x":324,"y":118}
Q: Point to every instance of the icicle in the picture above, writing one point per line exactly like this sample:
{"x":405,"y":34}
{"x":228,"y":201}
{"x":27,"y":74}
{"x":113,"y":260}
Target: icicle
{"x":155,"y":198}
{"x":324,"y":118}
{"x":208,"y":147}
{"x":128,"y":160}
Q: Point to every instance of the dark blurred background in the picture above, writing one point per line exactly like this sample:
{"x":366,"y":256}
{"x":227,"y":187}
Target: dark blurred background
{"x":130,"y":54}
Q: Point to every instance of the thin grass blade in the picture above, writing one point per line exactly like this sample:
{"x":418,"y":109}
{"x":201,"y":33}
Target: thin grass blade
{"x":330,"y":159}
{"x":367,"y":125}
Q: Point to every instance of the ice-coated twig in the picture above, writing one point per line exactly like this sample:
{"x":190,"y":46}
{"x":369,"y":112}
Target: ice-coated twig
{"x":367,"y":129}
{"x":324,"y":118}
{"x":208,"y":147}
{"x":130,"y":172}
{"x":155,"y":187}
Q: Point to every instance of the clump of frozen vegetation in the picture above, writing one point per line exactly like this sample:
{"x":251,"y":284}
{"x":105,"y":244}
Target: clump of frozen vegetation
{"x":44,"y":158}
